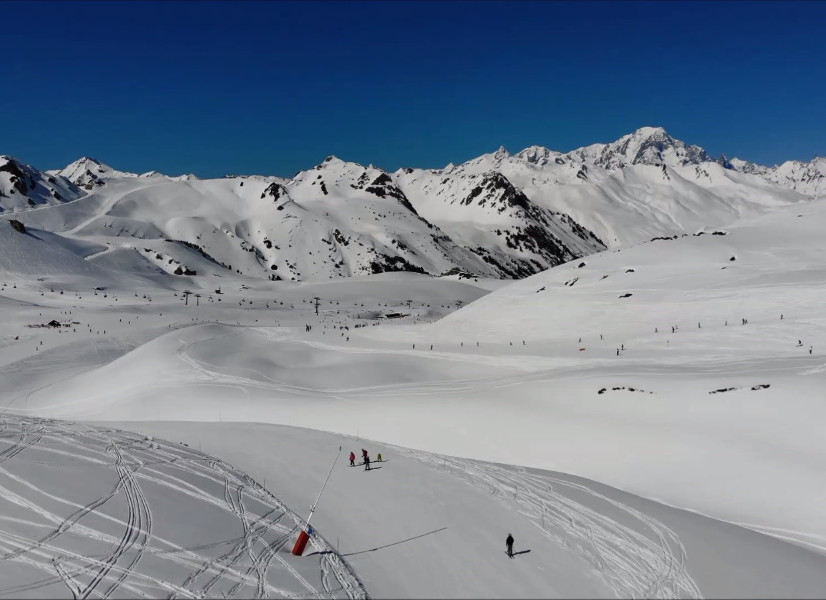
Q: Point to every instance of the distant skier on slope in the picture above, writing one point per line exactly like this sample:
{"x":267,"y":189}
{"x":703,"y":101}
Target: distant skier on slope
{"x":379,"y":456}
{"x":509,"y":545}
{"x":352,"y":459}
{"x":366,"y":463}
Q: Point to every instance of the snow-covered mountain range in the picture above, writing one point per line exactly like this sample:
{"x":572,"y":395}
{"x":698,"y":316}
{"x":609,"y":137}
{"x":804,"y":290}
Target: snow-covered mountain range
{"x":500,"y":215}
{"x":680,"y":362}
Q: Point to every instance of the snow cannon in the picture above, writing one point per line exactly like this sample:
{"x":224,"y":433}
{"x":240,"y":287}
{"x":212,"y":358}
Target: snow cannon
{"x":304,"y":536}
{"x":301,"y":543}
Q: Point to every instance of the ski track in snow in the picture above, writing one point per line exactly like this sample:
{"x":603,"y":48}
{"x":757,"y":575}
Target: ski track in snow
{"x":115,"y":534}
{"x":645,"y":560}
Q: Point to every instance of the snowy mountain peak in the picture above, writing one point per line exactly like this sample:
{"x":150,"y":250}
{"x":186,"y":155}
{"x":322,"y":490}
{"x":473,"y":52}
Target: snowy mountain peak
{"x":87,"y":172}
{"x":332,"y":161}
{"x":745,"y":166}
{"x":485,"y":162}
{"x":538,"y":155}
{"x":23,"y":186}
{"x":6,"y":159}
{"x":648,"y":132}
{"x":645,"y":146}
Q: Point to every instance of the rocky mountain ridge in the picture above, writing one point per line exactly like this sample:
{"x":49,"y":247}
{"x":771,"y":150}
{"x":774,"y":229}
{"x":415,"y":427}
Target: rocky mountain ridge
{"x":499,"y":215}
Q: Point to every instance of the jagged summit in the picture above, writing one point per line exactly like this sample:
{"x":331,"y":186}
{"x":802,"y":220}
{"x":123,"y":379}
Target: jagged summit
{"x":645,"y":146}
{"x":23,"y":187}
{"x":334,"y":161}
{"x":538,"y":155}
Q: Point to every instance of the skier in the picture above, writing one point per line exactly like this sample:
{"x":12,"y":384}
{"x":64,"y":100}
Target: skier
{"x":366,"y":463}
{"x":509,"y":544}
{"x":363,"y":455}
{"x":352,"y":459}
{"x":379,"y":456}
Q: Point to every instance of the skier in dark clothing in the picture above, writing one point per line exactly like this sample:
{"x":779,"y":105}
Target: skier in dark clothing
{"x":363,"y":454}
{"x":352,"y":459}
{"x":366,"y":463}
{"x":509,"y":544}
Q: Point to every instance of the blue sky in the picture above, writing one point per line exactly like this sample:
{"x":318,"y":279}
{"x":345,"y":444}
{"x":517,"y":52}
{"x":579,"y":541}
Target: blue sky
{"x":274,"y":87}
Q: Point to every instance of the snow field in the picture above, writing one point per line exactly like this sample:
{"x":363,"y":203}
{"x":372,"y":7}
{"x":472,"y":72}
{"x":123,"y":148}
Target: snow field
{"x":426,"y":525}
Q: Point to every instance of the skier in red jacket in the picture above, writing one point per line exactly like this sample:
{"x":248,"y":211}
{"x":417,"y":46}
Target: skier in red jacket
{"x":352,"y":459}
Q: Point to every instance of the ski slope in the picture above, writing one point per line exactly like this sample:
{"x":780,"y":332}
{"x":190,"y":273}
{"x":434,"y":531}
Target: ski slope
{"x":427,"y":525}
{"x":89,"y":512}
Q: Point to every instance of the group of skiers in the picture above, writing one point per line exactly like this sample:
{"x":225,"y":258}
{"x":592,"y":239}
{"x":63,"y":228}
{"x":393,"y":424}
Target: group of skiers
{"x":365,"y":457}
